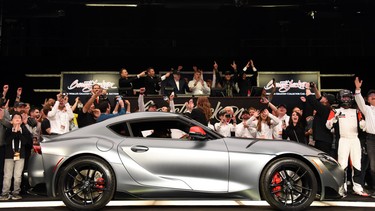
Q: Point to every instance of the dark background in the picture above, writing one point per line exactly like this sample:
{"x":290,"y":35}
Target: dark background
{"x":51,"y":36}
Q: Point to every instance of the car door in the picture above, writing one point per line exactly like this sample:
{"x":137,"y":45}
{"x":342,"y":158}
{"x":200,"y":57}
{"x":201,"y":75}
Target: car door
{"x":176,"y":163}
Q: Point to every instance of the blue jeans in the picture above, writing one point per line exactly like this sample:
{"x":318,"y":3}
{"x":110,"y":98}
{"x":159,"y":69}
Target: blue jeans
{"x":14,"y":169}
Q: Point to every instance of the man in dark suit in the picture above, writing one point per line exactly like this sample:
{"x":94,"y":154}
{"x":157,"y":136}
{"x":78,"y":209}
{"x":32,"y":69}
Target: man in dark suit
{"x":178,"y":84}
{"x":153,"y":81}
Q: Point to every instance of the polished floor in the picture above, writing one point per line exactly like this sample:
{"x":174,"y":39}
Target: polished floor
{"x":43,"y":203}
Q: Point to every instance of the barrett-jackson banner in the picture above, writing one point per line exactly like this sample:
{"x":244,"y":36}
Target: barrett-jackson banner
{"x":290,"y":86}
{"x":288,"y":83}
{"x":78,"y":84}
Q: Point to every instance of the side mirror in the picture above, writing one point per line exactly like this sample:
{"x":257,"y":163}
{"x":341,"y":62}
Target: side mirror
{"x":195,"y":136}
{"x":197,"y":133}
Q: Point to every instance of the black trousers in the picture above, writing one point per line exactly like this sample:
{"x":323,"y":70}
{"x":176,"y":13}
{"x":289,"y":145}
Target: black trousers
{"x":370,"y":143}
{"x":324,"y":146}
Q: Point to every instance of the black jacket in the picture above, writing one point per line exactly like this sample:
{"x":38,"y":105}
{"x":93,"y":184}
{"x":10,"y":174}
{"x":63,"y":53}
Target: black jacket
{"x":126,"y":86}
{"x":25,"y":138}
{"x":295,"y":133}
{"x":182,"y":89}
{"x":152,"y":84}
{"x":320,"y":131}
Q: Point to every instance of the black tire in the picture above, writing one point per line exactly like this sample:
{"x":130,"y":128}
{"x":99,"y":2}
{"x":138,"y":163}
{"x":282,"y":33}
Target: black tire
{"x":87,"y":183}
{"x":288,"y":184}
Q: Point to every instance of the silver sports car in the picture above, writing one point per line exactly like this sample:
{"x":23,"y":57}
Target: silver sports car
{"x":160,"y":155}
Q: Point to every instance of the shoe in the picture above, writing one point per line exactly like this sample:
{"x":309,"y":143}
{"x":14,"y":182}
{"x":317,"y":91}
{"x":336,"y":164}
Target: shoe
{"x":5,"y":197}
{"x":16,"y":197}
{"x":344,"y":195}
{"x":362,"y":193}
{"x":373,"y":195}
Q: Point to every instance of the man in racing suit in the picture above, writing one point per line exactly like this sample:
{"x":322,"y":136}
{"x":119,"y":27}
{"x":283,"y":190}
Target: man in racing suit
{"x":346,"y":122}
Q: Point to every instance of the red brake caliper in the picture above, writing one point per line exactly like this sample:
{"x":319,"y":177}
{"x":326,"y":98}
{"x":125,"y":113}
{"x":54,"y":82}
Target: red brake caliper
{"x":276,"y":181}
{"x":99,"y":184}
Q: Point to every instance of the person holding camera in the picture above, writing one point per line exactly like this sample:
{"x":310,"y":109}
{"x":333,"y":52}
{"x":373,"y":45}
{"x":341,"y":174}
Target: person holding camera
{"x":61,"y":115}
{"x":224,"y":127}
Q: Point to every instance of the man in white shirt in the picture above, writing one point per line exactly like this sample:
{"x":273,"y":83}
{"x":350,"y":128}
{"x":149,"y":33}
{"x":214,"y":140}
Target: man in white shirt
{"x":198,"y":86}
{"x":243,"y":129}
{"x":284,"y":119}
{"x":60,"y":115}
{"x":369,"y":113}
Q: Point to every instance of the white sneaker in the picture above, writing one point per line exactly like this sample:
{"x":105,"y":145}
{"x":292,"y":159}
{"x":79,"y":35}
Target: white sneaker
{"x":5,"y":197}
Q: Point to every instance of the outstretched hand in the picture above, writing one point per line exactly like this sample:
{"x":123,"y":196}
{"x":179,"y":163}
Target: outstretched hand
{"x":358,"y":83}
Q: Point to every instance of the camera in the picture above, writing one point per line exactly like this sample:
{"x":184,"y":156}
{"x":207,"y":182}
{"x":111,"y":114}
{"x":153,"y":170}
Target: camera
{"x":312,"y":84}
{"x":228,"y":116}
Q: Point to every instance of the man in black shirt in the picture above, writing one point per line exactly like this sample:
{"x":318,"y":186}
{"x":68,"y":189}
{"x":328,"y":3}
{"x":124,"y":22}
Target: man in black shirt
{"x":178,"y":84}
{"x":153,"y":82}
{"x":88,"y":114}
{"x":125,"y":83}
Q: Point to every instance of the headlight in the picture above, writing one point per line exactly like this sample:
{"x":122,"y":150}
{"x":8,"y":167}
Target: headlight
{"x":328,"y":160}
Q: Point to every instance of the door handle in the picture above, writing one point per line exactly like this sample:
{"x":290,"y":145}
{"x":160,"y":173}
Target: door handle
{"x":139,"y":149}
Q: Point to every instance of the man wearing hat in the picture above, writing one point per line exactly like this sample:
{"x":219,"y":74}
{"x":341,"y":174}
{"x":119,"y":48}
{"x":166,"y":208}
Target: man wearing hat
{"x":243,"y":129}
{"x":178,"y":84}
{"x":228,"y":82}
{"x":281,"y":113}
{"x":19,"y":106}
{"x":369,"y":113}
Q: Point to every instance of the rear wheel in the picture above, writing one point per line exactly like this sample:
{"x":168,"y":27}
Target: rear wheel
{"x":288,"y":184}
{"x":87,"y":183}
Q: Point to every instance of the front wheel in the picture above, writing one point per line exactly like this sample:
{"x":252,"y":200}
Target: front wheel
{"x":87,"y":183}
{"x":288,"y":184}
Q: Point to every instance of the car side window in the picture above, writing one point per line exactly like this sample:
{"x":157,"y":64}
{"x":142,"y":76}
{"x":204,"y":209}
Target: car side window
{"x":157,"y":128}
{"x":121,"y":129}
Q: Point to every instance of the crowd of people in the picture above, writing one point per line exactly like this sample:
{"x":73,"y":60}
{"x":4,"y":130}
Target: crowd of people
{"x":346,"y":131}
{"x":230,"y":83}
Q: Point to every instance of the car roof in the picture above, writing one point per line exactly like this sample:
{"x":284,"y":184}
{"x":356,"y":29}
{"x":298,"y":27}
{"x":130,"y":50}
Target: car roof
{"x":137,"y":115}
